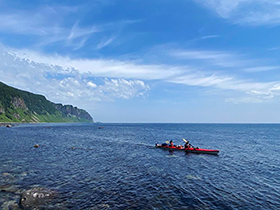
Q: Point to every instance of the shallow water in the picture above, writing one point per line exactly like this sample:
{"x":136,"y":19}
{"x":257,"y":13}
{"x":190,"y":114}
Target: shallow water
{"x":118,"y":167}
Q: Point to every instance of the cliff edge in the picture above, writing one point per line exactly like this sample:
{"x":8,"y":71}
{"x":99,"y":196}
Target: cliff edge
{"x":22,"y":106}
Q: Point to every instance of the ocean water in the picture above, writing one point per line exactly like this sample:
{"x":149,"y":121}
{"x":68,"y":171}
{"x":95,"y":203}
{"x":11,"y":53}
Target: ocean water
{"x":118,"y":167}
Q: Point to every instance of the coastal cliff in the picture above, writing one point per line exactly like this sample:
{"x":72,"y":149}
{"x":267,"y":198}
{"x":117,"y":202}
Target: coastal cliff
{"x":22,"y":106}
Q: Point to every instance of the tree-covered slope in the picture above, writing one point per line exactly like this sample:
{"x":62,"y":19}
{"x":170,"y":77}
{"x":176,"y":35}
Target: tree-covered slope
{"x":22,"y":106}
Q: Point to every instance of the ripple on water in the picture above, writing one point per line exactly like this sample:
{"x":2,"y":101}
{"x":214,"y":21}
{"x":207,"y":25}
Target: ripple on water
{"x":117,"y":168}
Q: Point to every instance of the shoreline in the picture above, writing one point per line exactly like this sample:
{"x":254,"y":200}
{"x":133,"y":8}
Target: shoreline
{"x":7,"y":124}
{"x":12,"y":124}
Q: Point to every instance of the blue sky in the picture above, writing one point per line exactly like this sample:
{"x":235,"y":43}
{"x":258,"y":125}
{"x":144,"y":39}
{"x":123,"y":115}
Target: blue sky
{"x":185,"y":61}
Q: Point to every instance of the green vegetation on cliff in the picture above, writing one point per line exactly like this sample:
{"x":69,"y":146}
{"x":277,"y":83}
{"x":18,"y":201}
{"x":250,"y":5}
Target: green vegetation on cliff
{"x":22,"y":106}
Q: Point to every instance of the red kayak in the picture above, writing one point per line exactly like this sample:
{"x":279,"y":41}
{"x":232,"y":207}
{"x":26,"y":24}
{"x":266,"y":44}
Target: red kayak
{"x":190,"y":149}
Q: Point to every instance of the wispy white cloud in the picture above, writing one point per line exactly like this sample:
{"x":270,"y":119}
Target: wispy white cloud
{"x":37,"y":23}
{"x":104,"y":43}
{"x":42,"y":21}
{"x":223,"y":60}
{"x":217,"y":58}
{"x":20,"y":24}
{"x":270,"y":92}
{"x":250,"y":12}
{"x":245,"y":100}
{"x":200,"y":79}
{"x":80,"y":44}
{"x":264,"y":89}
{"x":199,"y":54}
{"x":210,"y":37}
{"x":258,"y":96}
{"x":125,"y":89}
{"x":65,"y":85}
{"x":125,"y":79}
{"x":101,"y":67}
{"x":77,"y":32}
{"x":261,"y":68}
{"x":273,"y":48}
{"x":224,"y":8}
{"x":81,"y":88}
{"x":60,"y":25}
{"x":91,"y":84}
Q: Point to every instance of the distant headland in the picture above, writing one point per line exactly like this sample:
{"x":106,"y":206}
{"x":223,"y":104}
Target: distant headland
{"x":24,"y":107}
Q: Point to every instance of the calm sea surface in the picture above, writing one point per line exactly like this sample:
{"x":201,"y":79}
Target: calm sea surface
{"x":118,"y":167}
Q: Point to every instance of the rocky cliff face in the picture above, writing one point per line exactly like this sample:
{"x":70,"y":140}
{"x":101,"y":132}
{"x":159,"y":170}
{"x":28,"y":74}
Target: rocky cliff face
{"x":2,"y":110}
{"x":22,"y":106}
{"x":19,"y":103}
{"x":69,"y":110}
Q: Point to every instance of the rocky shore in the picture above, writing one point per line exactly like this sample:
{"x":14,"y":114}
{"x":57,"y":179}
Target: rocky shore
{"x":15,"y":197}
{"x":4,"y":124}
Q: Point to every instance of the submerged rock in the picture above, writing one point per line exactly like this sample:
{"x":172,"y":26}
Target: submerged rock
{"x":36,"y":198}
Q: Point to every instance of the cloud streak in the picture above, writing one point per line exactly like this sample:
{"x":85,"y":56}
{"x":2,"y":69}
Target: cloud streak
{"x":103,"y":43}
{"x":62,"y":26}
{"x":216,"y":58}
{"x":246,"y":12}
{"x":100,"y":67}
{"x":66,"y":85}
{"x":261,"y":69}
{"x":126,"y":79}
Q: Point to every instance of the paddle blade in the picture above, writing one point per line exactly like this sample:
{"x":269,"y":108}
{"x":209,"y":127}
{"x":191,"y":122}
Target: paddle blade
{"x":185,"y":140}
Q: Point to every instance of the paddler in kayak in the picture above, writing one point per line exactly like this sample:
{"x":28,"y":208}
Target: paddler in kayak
{"x":187,"y":144}
{"x":171,"y":144}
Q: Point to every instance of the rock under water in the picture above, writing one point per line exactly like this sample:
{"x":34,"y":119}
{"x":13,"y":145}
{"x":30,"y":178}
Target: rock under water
{"x":36,"y":198}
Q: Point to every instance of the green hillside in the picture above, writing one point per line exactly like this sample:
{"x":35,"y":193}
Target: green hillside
{"x":22,"y":106}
